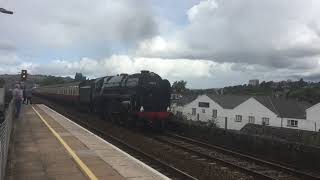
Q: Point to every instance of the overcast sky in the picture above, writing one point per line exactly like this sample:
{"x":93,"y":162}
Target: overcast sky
{"x":209,"y":43}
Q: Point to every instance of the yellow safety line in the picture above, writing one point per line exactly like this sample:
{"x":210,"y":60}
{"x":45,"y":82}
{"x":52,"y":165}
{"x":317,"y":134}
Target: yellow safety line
{"x":83,"y":166}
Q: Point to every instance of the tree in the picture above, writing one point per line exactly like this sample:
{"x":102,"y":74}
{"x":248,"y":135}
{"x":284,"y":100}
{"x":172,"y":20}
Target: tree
{"x":52,"y":80}
{"x":263,"y":84}
{"x":2,"y":82}
{"x":79,"y":77}
{"x":179,"y":86}
{"x":302,"y":83}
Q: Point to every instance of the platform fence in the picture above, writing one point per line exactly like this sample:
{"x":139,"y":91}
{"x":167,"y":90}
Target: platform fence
{"x":5,"y":133}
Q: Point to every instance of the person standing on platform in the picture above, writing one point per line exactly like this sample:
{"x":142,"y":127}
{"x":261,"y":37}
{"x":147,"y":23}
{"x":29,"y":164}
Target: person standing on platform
{"x":24,"y":95}
{"x":17,"y":98}
{"x":29,"y":96}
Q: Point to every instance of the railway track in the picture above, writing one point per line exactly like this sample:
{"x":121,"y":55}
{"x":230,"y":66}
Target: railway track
{"x":152,"y":161}
{"x":257,"y":168}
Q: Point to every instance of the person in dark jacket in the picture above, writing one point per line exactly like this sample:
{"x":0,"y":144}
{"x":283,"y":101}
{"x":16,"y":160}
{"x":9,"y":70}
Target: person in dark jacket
{"x":24,"y":96}
{"x":28,"y":96}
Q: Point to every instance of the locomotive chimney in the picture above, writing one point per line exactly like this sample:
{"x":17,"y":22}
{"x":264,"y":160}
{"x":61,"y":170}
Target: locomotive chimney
{"x":144,"y":72}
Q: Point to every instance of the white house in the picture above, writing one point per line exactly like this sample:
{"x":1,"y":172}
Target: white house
{"x":234,"y":112}
{"x":251,"y":111}
{"x":197,"y":108}
{"x":313,"y":114}
{"x":2,"y":99}
{"x":208,"y":107}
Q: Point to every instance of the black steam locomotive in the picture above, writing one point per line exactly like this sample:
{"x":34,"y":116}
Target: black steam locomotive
{"x":137,"y":99}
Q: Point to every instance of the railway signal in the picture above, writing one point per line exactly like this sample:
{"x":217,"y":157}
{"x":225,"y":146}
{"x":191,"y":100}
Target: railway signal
{"x":24,"y":75}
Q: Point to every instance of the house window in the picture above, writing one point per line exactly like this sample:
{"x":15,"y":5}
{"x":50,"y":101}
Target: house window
{"x":238,"y":118}
{"x":251,"y":119}
{"x":214,"y":113}
{"x":292,"y":123}
{"x":194,"y":111}
{"x":203,"y":111}
{"x":265,"y":121}
{"x":204,"y":104}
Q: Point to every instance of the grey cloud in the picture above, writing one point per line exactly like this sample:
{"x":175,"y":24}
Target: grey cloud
{"x":8,"y":47}
{"x":274,"y":33}
{"x":313,"y":77}
{"x":73,"y":24}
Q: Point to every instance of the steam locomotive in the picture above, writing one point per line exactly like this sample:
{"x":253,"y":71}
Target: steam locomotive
{"x":141,"y":99}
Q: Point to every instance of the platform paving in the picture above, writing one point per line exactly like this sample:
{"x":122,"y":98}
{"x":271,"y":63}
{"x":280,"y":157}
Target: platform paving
{"x":35,"y":152}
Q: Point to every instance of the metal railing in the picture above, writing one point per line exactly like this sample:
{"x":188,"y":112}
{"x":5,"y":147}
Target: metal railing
{"x":5,"y":133}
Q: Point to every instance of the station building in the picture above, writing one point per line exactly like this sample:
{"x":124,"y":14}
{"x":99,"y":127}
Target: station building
{"x":234,"y":112}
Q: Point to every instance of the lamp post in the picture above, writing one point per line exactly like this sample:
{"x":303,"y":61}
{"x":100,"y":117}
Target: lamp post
{"x":2,"y":10}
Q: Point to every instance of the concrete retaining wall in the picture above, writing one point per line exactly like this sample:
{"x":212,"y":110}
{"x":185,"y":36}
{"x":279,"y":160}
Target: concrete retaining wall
{"x":295,"y":154}
{"x":293,"y":135}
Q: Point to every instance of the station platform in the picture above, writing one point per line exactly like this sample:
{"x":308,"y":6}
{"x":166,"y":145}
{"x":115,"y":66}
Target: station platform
{"x":47,"y":145}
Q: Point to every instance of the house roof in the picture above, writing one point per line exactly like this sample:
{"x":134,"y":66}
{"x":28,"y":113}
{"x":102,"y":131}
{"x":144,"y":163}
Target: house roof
{"x":228,"y":101}
{"x":286,"y":108}
{"x":314,"y":106}
{"x":186,"y":99}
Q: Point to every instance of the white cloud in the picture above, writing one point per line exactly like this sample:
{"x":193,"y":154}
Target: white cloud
{"x":178,"y":68}
{"x":219,"y":43}
{"x":198,"y":73}
{"x":274,"y":33}
{"x":202,"y":7}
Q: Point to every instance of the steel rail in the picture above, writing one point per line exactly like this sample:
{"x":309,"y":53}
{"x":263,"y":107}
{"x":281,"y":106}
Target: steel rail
{"x":295,"y":172}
